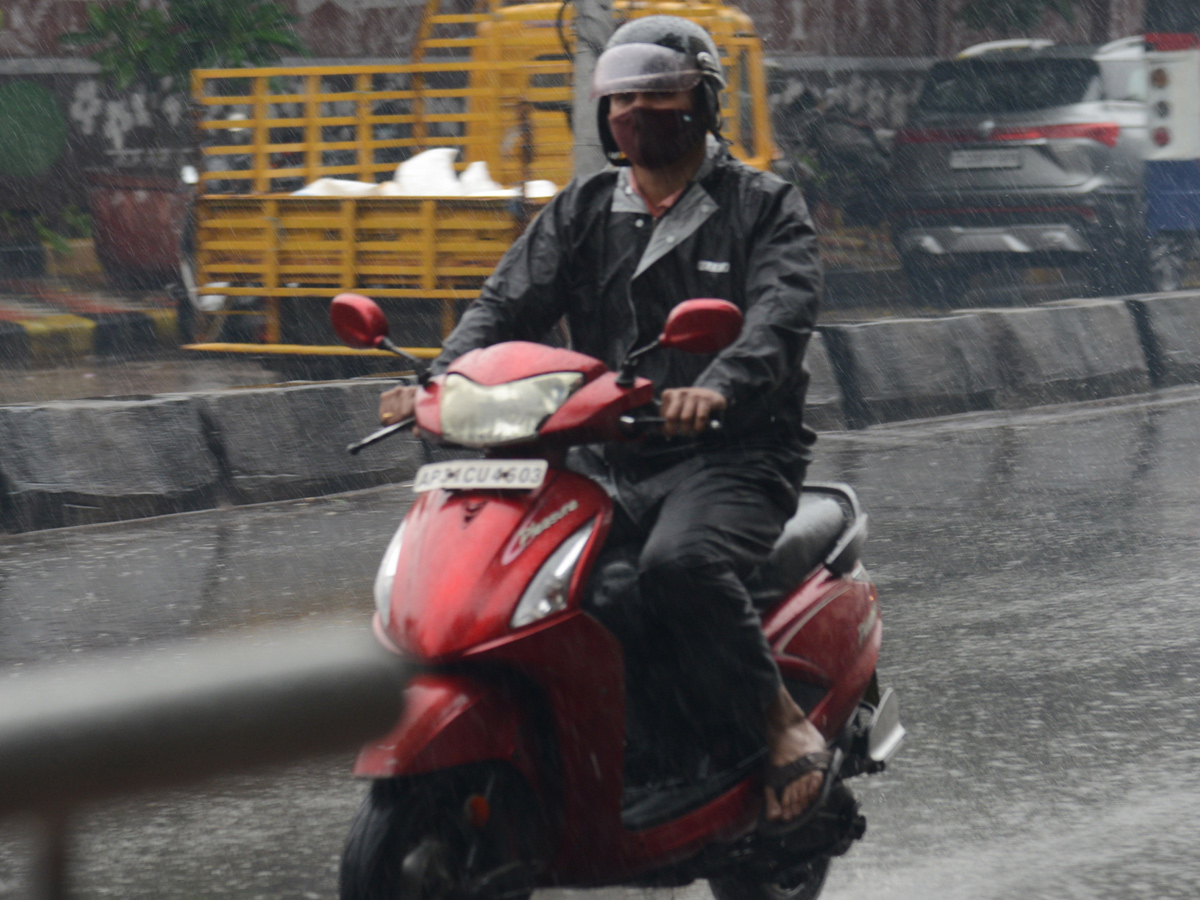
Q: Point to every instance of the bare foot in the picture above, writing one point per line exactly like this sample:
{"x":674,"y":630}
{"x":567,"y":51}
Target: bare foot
{"x":789,"y":736}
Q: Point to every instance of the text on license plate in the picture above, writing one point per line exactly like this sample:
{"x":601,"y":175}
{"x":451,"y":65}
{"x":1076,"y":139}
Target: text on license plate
{"x":481,"y":475}
{"x":985,"y":159}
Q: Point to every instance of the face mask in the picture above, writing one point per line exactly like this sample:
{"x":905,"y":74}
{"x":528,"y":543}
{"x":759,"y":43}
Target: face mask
{"x":654,"y":138}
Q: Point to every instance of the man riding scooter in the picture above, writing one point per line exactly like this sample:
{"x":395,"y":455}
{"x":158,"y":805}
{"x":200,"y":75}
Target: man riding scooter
{"x":697,"y":510}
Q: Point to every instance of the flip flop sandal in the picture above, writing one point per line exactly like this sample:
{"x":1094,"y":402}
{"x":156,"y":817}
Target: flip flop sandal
{"x":829,"y":762}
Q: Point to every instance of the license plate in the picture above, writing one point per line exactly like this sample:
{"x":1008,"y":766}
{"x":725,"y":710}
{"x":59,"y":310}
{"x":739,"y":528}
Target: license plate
{"x":481,"y":475}
{"x":985,"y":159}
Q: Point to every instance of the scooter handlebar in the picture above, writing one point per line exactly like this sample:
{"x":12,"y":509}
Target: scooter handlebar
{"x":636,"y":425}
{"x":376,"y":436}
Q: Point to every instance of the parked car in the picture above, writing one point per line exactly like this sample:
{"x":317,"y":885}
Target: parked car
{"x":1019,"y":154}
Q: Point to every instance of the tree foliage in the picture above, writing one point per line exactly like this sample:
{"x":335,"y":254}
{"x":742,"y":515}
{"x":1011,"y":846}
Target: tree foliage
{"x":1014,"y":16}
{"x":136,"y":44}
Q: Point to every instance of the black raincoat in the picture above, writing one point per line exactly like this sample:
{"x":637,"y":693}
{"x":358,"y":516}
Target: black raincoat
{"x":595,"y":255}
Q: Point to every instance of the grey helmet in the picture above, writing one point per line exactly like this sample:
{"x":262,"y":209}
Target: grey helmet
{"x":658,"y":53}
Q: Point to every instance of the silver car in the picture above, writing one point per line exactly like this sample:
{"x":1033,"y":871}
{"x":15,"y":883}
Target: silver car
{"x":1020,"y":154}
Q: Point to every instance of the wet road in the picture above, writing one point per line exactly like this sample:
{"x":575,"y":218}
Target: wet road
{"x":1039,"y":574}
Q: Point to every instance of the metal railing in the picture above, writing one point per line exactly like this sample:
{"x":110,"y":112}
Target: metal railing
{"x":78,"y":734}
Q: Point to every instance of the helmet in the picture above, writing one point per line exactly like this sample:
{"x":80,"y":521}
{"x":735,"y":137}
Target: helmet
{"x":658,"y":53}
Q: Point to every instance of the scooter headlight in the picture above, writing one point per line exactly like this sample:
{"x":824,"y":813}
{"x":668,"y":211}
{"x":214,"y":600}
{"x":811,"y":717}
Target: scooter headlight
{"x":478,"y":415}
{"x":547,"y":593}
{"x":386,"y":576}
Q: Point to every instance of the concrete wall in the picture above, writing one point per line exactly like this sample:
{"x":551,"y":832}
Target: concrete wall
{"x":93,"y":461}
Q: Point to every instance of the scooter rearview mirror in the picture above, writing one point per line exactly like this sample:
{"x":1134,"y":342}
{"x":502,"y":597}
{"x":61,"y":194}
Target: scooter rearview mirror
{"x":358,"y":321}
{"x":701,"y":326}
{"x":694,"y":326}
{"x":361,"y":324}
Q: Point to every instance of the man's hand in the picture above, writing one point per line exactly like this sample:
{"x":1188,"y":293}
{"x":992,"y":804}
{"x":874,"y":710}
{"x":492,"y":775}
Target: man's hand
{"x":397,"y":404}
{"x":687,"y":411}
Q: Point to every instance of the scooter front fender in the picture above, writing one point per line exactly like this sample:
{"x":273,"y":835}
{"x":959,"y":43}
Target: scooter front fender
{"x":451,"y":720}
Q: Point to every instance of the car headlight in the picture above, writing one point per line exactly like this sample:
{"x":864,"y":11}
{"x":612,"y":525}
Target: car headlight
{"x":547,"y":593}
{"x":386,"y":576}
{"x":477,"y":415}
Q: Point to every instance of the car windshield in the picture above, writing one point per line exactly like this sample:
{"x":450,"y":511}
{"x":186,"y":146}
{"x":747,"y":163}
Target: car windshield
{"x":994,"y":86}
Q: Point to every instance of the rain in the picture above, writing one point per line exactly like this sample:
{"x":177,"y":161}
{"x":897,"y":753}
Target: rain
{"x":1005,"y":369}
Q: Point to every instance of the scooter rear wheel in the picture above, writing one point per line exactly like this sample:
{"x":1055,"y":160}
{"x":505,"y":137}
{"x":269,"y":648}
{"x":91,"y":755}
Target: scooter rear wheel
{"x":417,"y":838}
{"x":806,"y":886}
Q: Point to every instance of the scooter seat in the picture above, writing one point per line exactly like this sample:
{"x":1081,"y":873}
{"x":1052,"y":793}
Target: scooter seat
{"x":807,"y":539}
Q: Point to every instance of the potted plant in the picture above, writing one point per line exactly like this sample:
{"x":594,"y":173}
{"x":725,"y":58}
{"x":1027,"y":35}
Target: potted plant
{"x":67,"y":242}
{"x":138,"y":205}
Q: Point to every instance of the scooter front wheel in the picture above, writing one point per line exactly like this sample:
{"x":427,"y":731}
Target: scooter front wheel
{"x":805,"y":885}
{"x":459,"y":832}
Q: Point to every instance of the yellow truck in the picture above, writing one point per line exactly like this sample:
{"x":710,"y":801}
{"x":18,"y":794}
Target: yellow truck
{"x":496,"y":84}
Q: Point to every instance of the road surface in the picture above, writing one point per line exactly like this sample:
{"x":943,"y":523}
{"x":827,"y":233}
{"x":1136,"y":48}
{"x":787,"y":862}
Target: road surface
{"x":1040,"y":575}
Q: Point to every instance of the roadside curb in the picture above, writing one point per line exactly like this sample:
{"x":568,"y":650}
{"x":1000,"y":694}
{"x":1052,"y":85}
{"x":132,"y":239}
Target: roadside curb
{"x":66,"y":337}
{"x":79,"y":462}
{"x":40,"y":338}
{"x":1169,"y":328}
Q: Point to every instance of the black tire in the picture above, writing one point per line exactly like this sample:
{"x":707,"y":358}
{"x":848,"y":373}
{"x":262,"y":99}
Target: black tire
{"x":1165,"y":263}
{"x":411,"y":840}
{"x":804,"y":887}
{"x":941,"y":287}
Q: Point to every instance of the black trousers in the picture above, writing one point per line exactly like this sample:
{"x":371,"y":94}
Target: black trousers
{"x":670,"y":583}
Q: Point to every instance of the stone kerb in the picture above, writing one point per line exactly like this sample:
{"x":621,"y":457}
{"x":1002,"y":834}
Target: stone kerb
{"x":1169,"y":325}
{"x":1066,"y":351}
{"x":72,"y":463}
{"x":284,"y":443}
{"x":913,"y":368}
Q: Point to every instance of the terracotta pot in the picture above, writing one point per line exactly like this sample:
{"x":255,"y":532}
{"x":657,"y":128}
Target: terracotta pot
{"x":136,"y":223}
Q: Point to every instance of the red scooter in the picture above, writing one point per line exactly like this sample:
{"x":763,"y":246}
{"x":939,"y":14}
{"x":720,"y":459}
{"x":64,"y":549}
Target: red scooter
{"x":505,"y":771}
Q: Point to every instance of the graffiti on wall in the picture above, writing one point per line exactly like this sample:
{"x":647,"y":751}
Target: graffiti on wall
{"x":125,"y":125}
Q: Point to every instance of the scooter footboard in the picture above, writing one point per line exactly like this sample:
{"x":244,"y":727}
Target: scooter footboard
{"x":451,"y":720}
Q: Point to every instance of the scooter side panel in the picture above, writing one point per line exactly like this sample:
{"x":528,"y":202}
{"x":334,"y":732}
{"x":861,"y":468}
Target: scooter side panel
{"x":579,"y":664}
{"x":451,"y":720}
{"x":469,"y":555}
{"x":829,"y":634}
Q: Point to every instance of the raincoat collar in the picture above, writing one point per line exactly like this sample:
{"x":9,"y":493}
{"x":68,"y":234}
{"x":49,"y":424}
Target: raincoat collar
{"x":686,"y":215}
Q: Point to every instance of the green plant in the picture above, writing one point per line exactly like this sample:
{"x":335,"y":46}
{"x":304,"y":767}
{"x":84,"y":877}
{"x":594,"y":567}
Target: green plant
{"x":75,"y":222}
{"x":49,"y":237}
{"x":136,"y":45}
{"x":72,"y":224}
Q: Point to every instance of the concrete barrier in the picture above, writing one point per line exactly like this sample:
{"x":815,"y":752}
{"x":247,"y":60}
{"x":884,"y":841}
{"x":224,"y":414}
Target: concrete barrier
{"x":1169,"y":326}
{"x":823,"y":402}
{"x":1065,"y":351}
{"x":913,"y":368}
{"x":284,"y":443}
{"x":93,"y":461}
{"x":78,"y":462}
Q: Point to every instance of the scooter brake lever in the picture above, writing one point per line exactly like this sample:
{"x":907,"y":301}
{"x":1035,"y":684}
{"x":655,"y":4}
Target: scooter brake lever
{"x":376,"y":436}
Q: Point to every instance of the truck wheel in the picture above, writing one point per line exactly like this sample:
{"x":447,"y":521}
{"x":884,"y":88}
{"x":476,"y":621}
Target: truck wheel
{"x":414,"y":838}
{"x":806,"y":886}
{"x":941,"y":287}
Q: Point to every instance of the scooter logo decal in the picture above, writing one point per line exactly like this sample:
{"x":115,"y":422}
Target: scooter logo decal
{"x":526,"y":535}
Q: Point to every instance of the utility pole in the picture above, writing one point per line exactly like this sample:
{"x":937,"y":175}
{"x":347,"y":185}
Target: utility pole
{"x":593,"y":25}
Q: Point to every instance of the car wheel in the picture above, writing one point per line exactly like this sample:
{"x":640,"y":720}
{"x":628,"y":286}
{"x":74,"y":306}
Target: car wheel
{"x":941,"y":287}
{"x":1165,"y":264}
